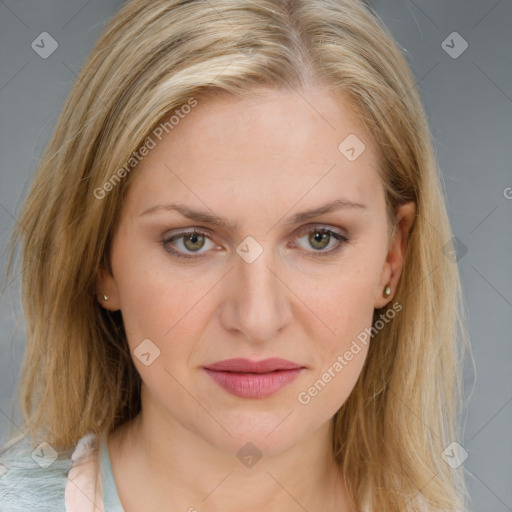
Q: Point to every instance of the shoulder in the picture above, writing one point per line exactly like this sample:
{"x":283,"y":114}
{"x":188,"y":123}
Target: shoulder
{"x":35,"y":480}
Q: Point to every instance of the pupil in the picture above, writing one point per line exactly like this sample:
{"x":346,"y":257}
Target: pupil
{"x":318,"y":237}
{"x":192,"y":240}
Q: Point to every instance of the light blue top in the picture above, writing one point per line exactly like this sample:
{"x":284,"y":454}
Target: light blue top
{"x":26,"y":486}
{"x":110,"y":496}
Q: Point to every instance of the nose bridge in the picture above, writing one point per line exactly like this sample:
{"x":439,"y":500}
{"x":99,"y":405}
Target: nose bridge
{"x":258,"y":301}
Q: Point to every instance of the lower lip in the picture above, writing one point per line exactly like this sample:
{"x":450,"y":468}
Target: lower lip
{"x":253,"y":385}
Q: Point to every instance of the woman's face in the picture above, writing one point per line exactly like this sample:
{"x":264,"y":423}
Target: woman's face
{"x":263,"y":277}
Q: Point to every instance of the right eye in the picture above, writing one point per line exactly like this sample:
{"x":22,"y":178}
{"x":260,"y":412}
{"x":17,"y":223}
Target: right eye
{"x":192,"y":240}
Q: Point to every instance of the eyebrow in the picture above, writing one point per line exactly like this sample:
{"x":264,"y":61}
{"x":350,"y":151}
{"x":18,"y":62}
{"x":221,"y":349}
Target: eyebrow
{"x":215,"y":220}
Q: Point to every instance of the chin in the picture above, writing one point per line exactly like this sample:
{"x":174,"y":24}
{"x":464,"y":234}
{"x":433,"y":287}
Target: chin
{"x":265,"y":436}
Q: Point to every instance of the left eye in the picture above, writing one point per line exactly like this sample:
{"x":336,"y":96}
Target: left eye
{"x":320,"y":238}
{"x":193,"y":241}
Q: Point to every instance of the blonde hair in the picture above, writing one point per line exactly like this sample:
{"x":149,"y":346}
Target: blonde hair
{"x":155,"y":56}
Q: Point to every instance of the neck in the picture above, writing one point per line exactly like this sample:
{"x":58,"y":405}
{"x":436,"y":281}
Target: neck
{"x":179,"y":470}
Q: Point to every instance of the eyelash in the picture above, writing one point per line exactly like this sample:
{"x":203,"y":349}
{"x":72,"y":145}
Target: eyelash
{"x":342,"y":239}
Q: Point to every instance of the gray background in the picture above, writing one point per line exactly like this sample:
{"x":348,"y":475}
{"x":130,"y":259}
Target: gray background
{"x":468,"y":100}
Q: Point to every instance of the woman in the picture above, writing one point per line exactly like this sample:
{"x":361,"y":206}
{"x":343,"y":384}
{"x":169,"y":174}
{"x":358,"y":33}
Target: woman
{"x":234,"y":273}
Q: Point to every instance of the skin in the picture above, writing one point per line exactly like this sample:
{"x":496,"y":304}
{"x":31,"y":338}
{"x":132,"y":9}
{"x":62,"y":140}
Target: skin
{"x":255,"y":163}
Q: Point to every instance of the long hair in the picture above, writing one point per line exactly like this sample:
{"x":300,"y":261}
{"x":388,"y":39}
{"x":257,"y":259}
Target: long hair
{"x":155,"y":58}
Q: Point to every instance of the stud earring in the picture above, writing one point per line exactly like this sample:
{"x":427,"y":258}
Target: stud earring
{"x":105,"y":298}
{"x":387,"y":291}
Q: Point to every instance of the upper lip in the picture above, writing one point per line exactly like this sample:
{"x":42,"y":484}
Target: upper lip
{"x":246,"y":365}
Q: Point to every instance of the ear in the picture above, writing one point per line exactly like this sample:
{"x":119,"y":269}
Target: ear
{"x":106,"y":286}
{"x":394,"y":261}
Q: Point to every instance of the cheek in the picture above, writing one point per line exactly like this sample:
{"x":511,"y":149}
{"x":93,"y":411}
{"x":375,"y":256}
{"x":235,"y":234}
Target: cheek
{"x":342,"y":303}
{"x":338,"y":357}
{"x":343,"y":307}
{"x":162,"y":318}
{"x":163,"y":310}
{"x":156,"y":304}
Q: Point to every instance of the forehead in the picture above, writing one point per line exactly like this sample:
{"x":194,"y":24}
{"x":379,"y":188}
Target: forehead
{"x":274,"y":145}
{"x":287,"y":123}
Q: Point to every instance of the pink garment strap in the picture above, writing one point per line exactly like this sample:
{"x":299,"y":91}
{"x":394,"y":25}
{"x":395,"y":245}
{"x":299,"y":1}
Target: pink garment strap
{"x":83,"y":491}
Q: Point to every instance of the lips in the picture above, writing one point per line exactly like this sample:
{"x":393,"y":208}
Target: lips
{"x":248,"y":366}
{"x":253,"y":379}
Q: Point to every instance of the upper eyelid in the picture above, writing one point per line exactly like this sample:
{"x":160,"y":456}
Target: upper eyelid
{"x":303,"y":229}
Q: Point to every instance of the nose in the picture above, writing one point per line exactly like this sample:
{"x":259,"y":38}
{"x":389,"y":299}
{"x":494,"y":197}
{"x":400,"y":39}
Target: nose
{"x":256,"y":302}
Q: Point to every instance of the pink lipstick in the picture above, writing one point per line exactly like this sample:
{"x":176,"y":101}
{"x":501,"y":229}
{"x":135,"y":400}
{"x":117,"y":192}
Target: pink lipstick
{"x":253,"y":379}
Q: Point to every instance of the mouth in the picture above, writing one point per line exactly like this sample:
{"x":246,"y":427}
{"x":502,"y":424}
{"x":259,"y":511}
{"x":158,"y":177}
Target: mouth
{"x":254,"y":379}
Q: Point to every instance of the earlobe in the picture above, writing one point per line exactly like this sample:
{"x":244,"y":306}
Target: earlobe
{"x":396,"y":253}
